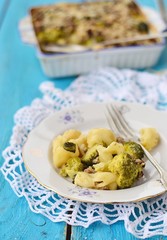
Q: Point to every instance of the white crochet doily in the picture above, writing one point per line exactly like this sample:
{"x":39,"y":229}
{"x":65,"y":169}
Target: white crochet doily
{"x":142,"y":219}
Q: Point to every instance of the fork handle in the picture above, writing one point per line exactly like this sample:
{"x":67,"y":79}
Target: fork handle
{"x":162,"y":172}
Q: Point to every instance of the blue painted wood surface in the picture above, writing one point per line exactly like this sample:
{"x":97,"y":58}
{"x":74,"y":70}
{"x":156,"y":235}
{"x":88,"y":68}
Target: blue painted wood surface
{"x":3,"y":9}
{"x":20,"y":76}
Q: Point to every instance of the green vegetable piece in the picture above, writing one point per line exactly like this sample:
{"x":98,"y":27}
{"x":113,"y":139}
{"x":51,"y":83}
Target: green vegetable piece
{"x":126,"y":169}
{"x":71,"y":168}
{"x":143,"y":27}
{"x":134,"y":149}
{"x":90,"y":156}
{"x":70,"y":146}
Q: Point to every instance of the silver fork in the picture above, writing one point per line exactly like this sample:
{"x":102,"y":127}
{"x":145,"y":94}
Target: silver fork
{"x":120,"y":126}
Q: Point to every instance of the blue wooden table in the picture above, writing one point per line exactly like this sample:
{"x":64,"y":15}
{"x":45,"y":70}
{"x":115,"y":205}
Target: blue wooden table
{"x":20,"y":77}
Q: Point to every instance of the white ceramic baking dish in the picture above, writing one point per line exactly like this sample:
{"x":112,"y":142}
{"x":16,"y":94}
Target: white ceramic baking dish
{"x":61,"y":65}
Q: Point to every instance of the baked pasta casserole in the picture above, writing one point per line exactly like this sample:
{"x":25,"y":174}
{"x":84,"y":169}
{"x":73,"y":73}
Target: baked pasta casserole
{"x":90,"y":24}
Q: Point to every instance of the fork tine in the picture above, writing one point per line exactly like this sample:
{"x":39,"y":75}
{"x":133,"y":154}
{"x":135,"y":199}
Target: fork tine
{"x":118,"y":123}
{"x":110,"y":120}
{"x":115,"y":119}
{"x":115,"y":123}
{"x":123,"y":123}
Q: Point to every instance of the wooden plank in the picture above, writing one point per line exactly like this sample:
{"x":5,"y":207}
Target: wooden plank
{"x":20,"y":77}
{"x":17,"y":221}
{"x":4,"y":4}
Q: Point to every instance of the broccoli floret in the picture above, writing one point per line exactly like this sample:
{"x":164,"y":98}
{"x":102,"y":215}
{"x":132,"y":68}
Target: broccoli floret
{"x":72,"y":166}
{"x":134,"y":149}
{"x":90,"y":156}
{"x":126,"y":169}
{"x":69,"y":146}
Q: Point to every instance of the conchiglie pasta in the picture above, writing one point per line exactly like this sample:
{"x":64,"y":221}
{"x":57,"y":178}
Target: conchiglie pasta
{"x":101,"y":136}
{"x":106,"y":154}
{"x":60,"y":156}
{"x":81,"y":142}
{"x":149,"y":138}
{"x":115,"y":148}
{"x":101,"y":167}
{"x":98,"y":180}
{"x":71,"y":134}
{"x":57,"y":142}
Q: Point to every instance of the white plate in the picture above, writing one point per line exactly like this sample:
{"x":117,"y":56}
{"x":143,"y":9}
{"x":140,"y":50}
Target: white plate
{"x":37,"y":151}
